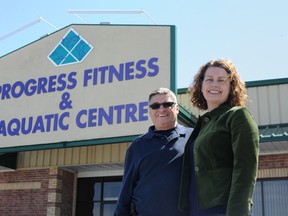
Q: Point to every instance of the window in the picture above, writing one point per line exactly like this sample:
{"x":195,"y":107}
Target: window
{"x":97,"y":196}
{"x":271,"y":198}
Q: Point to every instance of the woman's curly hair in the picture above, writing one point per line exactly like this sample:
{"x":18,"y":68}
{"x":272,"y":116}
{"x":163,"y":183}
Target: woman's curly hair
{"x":237,"y":95}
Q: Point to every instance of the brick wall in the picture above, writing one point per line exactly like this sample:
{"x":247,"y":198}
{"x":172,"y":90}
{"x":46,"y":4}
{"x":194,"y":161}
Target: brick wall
{"x":36,"y":192}
{"x":273,"y":161}
{"x":273,"y":166}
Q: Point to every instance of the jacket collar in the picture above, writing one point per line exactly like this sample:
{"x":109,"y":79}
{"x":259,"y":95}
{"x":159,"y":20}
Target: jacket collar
{"x":179,"y":130}
{"x":217,"y":111}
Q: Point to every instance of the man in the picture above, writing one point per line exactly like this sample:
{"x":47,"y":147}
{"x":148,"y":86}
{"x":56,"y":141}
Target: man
{"x":153,"y":162}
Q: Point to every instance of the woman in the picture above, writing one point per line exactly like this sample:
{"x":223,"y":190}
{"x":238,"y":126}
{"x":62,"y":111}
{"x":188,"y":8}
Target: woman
{"x":221,"y":159}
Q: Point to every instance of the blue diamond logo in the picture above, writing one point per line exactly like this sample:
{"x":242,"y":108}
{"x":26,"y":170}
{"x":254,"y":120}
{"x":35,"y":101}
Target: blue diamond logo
{"x":72,"y":49}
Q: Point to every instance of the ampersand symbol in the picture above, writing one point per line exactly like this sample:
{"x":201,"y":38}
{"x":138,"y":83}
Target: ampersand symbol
{"x":65,"y":103}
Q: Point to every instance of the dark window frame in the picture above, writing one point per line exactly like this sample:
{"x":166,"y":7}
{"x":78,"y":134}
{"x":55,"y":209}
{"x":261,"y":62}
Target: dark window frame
{"x":263,"y":195}
{"x":85,"y":194}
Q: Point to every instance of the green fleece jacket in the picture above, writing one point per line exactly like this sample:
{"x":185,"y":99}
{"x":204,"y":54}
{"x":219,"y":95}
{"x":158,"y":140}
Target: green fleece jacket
{"x":226,"y":151}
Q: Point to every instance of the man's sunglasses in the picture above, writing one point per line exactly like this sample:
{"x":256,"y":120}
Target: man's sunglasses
{"x":155,"y":106}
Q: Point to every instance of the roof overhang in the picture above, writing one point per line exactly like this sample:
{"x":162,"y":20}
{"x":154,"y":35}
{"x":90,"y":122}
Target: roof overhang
{"x":8,"y":161}
{"x":273,"y":138}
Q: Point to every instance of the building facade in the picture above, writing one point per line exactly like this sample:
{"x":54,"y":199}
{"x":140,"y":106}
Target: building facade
{"x":51,"y":165}
{"x":85,"y":180}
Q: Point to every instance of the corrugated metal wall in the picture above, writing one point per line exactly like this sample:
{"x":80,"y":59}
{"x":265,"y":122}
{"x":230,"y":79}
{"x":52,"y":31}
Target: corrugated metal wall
{"x":85,"y":155}
{"x":269,"y":104}
{"x":184,"y":100}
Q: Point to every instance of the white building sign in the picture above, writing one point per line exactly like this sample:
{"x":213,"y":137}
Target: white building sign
{"x":84,"y":82}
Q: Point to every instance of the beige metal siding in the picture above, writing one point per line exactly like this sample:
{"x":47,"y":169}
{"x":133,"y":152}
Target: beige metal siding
{"x":283,"y":102}
{"x":86,"y":155}
{"x":184,"y":100}
{"x":269,"y":104}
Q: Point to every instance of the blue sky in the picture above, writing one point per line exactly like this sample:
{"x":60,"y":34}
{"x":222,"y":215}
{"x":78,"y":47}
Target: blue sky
{"x":253,"y":34}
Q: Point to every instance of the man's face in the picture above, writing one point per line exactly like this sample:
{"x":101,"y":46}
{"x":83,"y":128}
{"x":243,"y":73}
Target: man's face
{"x":164,"y":118}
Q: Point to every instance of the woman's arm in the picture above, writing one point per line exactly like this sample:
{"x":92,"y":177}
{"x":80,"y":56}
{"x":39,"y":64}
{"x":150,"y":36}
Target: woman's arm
{"x":245,"y":146}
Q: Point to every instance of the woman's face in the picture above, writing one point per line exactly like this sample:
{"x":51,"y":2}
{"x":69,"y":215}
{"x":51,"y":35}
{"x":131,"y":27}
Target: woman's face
{"x":215,"y":87}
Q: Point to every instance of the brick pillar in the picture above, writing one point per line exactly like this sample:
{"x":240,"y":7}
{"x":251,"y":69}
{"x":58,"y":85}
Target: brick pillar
{"x":41,"y":192}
